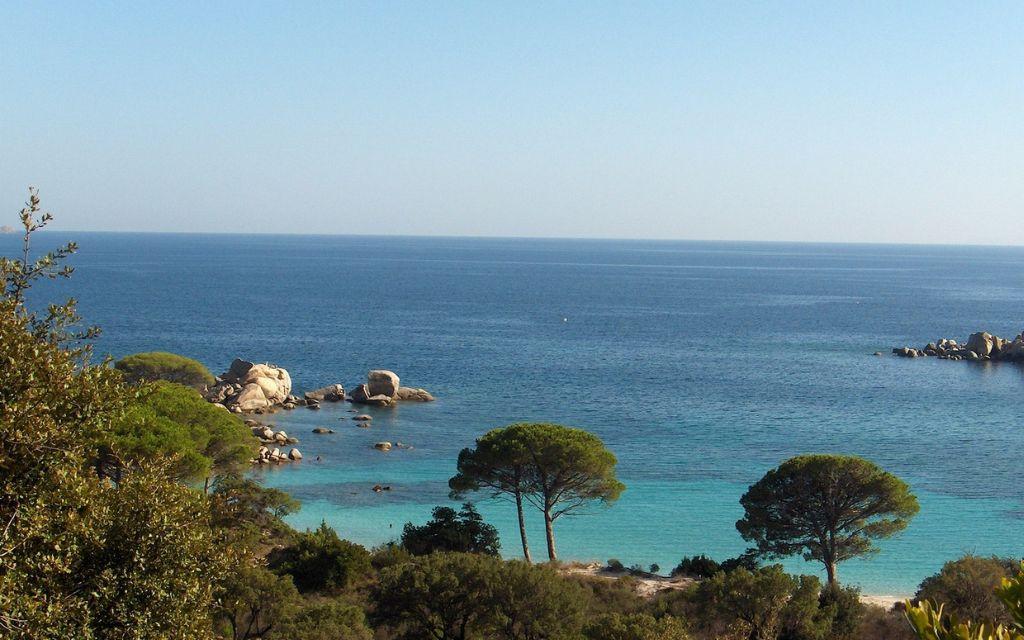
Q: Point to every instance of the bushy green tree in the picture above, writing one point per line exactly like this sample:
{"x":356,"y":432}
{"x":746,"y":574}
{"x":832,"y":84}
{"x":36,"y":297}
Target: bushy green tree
{"x":828,"y":508}
{"x":535,"y":603}
{"x":638,"y":626}
{"x":250,"y":513}
{"x":159,"y":365}
{"x":81,"y":557}
{"x":174,"y":421}
{"x":324,"y":619}
{"x":449,"y":530}
{"x":967,"y":588}
{"x":458,"y":596}
{"x":321,"y":561}
{"x":931,"y":622}
{"x":253,"y":601}
{"x":758,"y":605}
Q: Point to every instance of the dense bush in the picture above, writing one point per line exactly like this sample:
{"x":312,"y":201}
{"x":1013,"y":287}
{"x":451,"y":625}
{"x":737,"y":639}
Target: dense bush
{"x":324,"y":620}
{"x":967,"y":588}
{"x":640,"y":626}
{"x":159,"y":365}
{"x":697,"y":567}
{"x":172,"y":420}
{"x":464,"y":531}
{"x":458,"y":595}
{"x":321,"y":561}
{"x":766,"y":604}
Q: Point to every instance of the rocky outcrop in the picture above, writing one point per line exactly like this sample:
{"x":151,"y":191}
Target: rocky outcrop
{"x":330,"y":393}
{"x":383,"y":388}
{"x":980,"y":347}
{"x":381,"y":382}
{"x":410,"y":394}
{"x":362,"y":395}
{"x":251,"y":388}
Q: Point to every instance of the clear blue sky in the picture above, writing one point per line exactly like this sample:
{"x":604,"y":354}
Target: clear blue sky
{"x":866,"y":121}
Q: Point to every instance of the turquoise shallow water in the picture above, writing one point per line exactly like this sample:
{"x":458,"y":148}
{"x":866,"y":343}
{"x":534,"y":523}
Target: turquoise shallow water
{"x":701,"y":365}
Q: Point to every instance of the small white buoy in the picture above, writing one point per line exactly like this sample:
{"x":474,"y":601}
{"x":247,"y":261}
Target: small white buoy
{"x":565,"y":319}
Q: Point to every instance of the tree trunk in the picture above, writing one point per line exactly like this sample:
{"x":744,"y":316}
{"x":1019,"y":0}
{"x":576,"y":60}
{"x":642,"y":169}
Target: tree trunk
{"x":522,"y":528}
{"x":830,"y":570}
{"x":549,"y":531}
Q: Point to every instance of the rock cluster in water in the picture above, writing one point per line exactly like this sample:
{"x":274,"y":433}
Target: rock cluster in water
{"x":264,"y":388}
{"x":981,"y":346}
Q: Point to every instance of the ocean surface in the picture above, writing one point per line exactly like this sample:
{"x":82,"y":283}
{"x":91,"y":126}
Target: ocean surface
{"x":701,"y":365}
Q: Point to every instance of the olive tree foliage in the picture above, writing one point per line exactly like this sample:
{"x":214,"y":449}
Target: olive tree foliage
{"x":560,"y":470}
{"x":82,"y":557}
{"x":828,"y":508}
{"x":930,"y":621}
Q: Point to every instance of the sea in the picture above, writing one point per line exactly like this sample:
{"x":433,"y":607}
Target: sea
{"x":701,"y":365}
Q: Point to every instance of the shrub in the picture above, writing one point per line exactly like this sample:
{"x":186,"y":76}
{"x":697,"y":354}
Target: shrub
{"x":325,"y":620}
{"x":158,"y":365}
{"x":967,"y":588}
{"x":459,"y":595}
{"x":696,"y":567}
{"x":615,"y":565}
{"x":464,"y":532}
{"x":654,"y":568}
{"x":877,"y":623}
{"x":320,"y":560}
{"x":173,"y":420}
{"x":640,"y":626}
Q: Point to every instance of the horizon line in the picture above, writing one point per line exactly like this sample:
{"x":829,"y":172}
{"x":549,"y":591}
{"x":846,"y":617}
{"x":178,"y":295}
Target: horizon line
{"x":294,"y":234}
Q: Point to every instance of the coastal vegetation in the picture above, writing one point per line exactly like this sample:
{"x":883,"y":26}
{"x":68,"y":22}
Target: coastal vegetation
{"x":160,"y":365}
{"x":106,"y":533}
{"x":828,"y":508}
{"x":560,"y":470}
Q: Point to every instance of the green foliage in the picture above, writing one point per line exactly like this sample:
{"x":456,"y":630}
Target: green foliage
{"x":766,"y":604}
{"x":464,"y":531}
{"x":160,"y":365}
{"x":560,"y":470}
{"x":931,"y":622}
{"x":321,"y":561}
{"x":253,"y":601}
{"x":844,"y":609}
{"x":501,"y":465}
{"x":828,"y":508}
{"x":451,"y":596}
{"x":324,"y":620}
{"x":639,"y":626}
{"x":967,"y":588}
{"x":251,"y":513}
{"x":174,"y":421}
{"x":81,"y":557}
{"x":697,"y":567}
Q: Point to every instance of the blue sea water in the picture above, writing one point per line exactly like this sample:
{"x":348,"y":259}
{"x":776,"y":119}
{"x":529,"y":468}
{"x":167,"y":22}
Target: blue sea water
{"x":701,"y":365}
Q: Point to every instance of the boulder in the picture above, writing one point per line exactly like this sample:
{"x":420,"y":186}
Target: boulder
{"x":248,"y":387}
{"x":362,"y":395}
{"x":330,"y":393}
{"x":411,"y":394}
{"x":281,"y":436}
{"x":322,"y":430}
{"x":362,"y":417}
{"x":381,"y":382}
{"x":267,"y":433}
{"x":295,"y":454}
{"x":981,"y":343}
{"x":383,"y":446}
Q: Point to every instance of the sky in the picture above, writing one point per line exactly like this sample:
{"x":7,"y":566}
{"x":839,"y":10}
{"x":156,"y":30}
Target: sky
{"x":796,"y":121}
